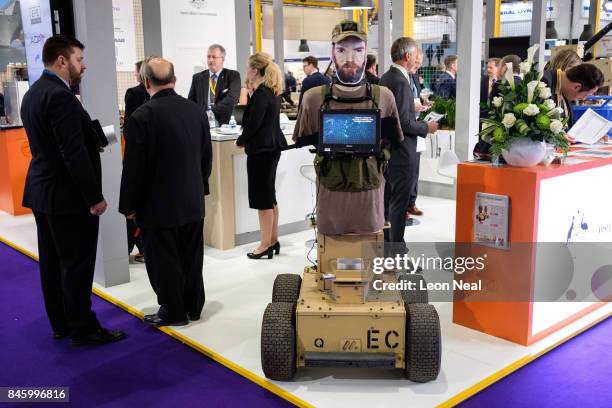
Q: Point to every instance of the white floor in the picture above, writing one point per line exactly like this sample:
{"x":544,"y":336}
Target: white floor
{"x":238,"y":290}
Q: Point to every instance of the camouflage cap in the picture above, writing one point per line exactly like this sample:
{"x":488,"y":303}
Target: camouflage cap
{"x":345,"y":29}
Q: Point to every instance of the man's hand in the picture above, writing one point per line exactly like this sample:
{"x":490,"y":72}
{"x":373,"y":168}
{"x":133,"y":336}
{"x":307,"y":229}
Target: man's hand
{"x":420,"y":108}
{"x":131,"y":216}
{"x":569,"y":138}
{"x":98,"y":209}
{"x":432,"y":127}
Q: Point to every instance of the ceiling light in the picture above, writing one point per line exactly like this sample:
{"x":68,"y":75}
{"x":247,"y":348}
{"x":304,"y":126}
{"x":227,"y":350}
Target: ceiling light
{"x":303,"y":46}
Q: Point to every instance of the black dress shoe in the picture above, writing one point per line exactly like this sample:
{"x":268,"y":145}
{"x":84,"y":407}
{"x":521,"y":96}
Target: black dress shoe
{"x":276,"y":248}
{"x":193,"y":317}
{"x":157,"y":321}
{"x":100,"y":336}
{"x":60,"y":334}
{"x":268,"y":252}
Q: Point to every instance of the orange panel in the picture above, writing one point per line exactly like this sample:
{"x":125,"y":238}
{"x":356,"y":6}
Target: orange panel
{"x":15,"y":158}
{"x":511,"y":271}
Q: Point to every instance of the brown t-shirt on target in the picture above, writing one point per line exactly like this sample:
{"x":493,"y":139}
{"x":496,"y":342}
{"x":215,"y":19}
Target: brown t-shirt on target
{"x":346,"y":212}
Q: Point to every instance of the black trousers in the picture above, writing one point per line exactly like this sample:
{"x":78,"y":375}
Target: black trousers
{"x":132,"y":239}
{"x":174,"y":259}
{"x":67,"y":257}
{"x":415,"y":179}
{"x":397,"y":197}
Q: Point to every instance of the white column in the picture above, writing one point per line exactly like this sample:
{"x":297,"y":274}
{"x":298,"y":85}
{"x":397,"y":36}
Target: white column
{"x":384,"y":37}
{"x":398,"y":20}
{"x":243,"y":35}
{"x":538,"y":28}
{"x":279,"y":38}
{"x":94,"y":28}
{"x":469,"y":42}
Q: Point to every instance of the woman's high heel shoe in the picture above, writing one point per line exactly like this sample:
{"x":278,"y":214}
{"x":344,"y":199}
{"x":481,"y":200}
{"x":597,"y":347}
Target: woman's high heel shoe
{"x":276,"y":247}
{"x":268,"y":252}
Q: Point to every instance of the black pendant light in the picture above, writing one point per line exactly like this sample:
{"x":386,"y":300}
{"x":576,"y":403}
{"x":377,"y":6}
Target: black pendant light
{"x":303,"y":46}
{"x":587,"y":33}
{"x":551,"y":32}
{"x":356,"y":4}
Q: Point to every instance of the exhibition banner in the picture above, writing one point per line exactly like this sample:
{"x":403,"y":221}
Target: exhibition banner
{"x":125,"y":36}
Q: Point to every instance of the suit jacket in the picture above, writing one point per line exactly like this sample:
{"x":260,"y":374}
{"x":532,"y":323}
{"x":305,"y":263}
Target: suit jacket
{"x":261,"y":130}
{"x":395,"y":80}
{"x":313,"y":80}
{"x":168,"y":159}
{"x":65,"y":175}
{"x":226,"y":97}
{"x":417,"y":82}
{"x":371,"y":78}
{"x":550,"y":79}
{"x":446,"y":86}
{"x":134,"y":97}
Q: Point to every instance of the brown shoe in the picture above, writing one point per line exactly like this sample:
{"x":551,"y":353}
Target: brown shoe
{"x":414,"y":210}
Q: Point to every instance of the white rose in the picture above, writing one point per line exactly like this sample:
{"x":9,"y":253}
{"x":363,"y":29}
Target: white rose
{"x":509,"y":120}
{"x":550,"y":104}
{"x":545,"y":93}
{"x":524,"y":67}
{"x":556,"y":126}
{"x":542,"y":85}
{"x":531,"y":110}
{"x":497,"y":101}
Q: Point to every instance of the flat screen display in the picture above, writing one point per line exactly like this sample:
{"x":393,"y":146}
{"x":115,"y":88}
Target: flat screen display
{"x":37,"y":27}
{"x":351,"y":130}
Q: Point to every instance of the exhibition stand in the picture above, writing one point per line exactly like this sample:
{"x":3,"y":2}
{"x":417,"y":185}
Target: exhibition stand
{"x":562,"y":204}
{"x":229,"y":221}
{"x":15,"y":158}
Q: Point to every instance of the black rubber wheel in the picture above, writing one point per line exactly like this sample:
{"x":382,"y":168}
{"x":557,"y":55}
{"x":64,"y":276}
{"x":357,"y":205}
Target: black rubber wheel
{"x":417,"y":295}
{"x":423,"y":343}
{"x":286,"y":288}
{"x":278,"y":341}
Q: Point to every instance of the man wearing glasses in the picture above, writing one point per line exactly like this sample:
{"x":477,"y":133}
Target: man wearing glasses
{"x":216,"y":88}
{"x":313,"y":76}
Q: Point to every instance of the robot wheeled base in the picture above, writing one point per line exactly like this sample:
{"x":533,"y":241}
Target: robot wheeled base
{"x":335,"y":318}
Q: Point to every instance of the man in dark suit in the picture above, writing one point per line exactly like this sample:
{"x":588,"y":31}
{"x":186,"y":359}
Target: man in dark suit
{"x":216,"y":88}
{"x":64,"y":190}
{"x":314,"y":77}
{"x":168,"y":159}
{"x":574,"y":84}
{"x":415,"y":81}
{"x":404,"y":157}
{"x":134,"y":97}
{"x":447,"y":81}
{"x":371,"y":71}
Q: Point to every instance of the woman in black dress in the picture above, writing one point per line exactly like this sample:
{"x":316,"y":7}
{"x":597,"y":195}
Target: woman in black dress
{"x":262,"y":140}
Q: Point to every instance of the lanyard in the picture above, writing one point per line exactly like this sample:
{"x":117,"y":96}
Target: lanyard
{"x":212,"y":85}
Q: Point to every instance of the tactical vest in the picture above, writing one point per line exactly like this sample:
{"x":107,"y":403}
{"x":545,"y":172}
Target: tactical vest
{"x":351,"y":173}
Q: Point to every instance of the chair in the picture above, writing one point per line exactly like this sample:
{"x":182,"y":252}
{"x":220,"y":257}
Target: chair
{"x":447,"y":164}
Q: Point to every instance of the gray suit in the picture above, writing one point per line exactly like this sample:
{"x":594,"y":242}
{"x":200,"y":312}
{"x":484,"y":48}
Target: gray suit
{"x":404,"y":161}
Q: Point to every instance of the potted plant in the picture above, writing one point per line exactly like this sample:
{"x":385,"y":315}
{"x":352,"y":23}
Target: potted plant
{"x":523,"y":118}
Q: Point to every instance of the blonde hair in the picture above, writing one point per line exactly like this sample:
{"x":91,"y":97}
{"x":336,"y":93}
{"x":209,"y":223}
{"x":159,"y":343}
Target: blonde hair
{"x":564,"y":60}
{"x":271,"y":73}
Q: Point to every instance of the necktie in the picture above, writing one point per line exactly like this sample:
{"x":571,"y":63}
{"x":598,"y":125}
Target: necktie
{"x":212,"y":88}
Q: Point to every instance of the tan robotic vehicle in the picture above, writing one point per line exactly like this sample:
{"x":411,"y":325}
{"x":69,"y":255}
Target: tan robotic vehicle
{"x":334,"y":316}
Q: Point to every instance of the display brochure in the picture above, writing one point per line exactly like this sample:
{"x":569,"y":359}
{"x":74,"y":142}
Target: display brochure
{"x":491,"y":213}
{"x":433,"y":117}
{"x":590,"y":127}
{"x":593,"y":153}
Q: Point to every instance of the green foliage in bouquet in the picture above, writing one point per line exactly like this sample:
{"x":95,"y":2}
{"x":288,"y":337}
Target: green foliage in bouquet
{"x":444,"y":106}
{"x":524,"y":110}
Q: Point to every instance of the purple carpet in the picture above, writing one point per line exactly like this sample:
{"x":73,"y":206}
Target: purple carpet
{"x":148,"y":369}
{"x":578,"y":373}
